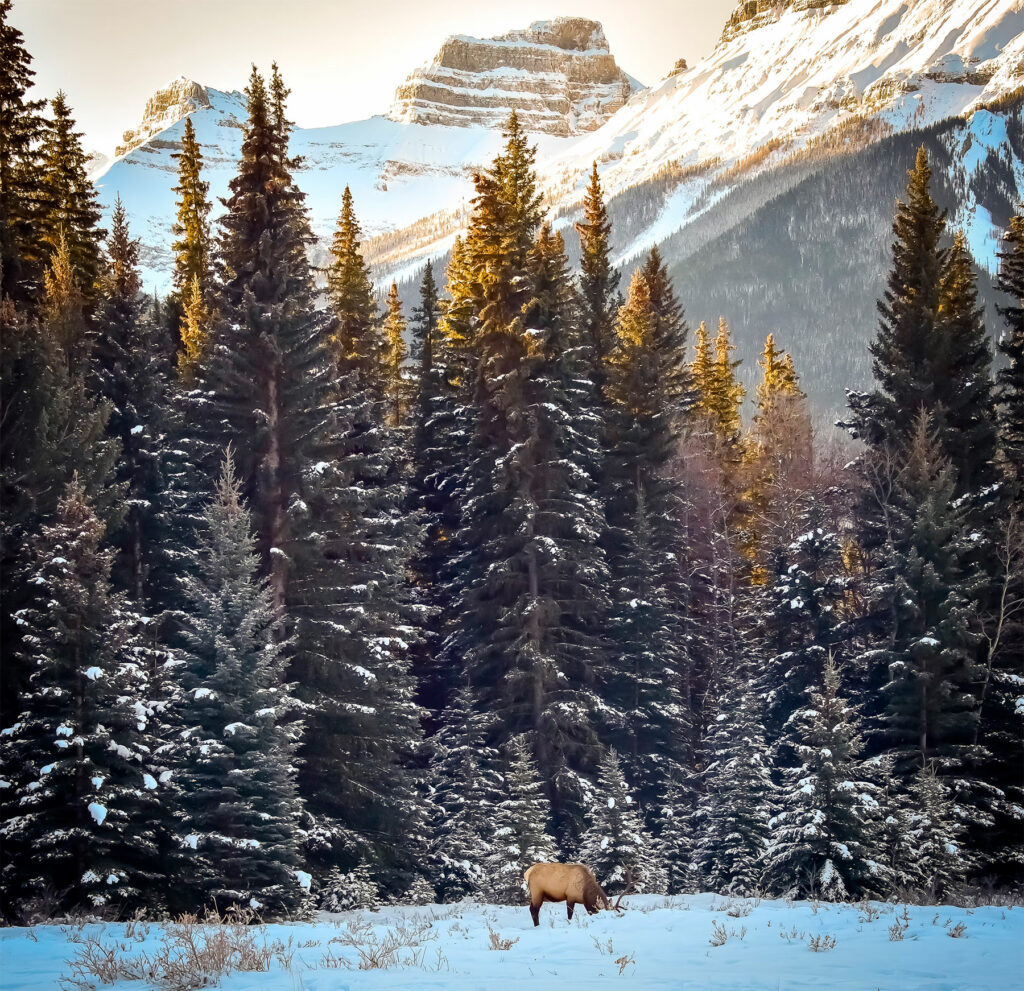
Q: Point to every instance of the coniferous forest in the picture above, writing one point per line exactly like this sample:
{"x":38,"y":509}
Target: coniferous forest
{"x":312,"y":603}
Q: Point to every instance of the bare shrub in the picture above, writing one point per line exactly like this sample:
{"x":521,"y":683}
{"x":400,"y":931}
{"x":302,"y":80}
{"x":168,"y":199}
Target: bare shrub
{"x":624,"y":961}
{"x":957,"y":931}
{"x":898,"y":930}
{"x":720,"y":935}
{"x":868,"y":912}
{"x":397,"y":946}
{"x":822,"y":943}
{"x":605,"y":947}
{"x":192,"y":953}
{"x":497,"y":943}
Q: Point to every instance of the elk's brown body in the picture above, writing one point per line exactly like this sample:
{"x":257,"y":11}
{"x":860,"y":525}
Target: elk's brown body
{"x":573,"y":884}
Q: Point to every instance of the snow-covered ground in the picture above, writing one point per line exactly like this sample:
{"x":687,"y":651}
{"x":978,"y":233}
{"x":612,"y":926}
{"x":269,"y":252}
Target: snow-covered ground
{"x":659,"y":943}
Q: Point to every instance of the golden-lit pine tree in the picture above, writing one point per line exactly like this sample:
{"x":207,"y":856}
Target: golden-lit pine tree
{"x":397,"y":384}
{"x":195,"y":323}
{"x":777,"y":456}
{"x":64,"y":307}
{"x":648,"y":392}
{"x":718,"y":396}
{"x":357,"y":343}
{"x":599,"y":280}
{"x":192,"y":262}
{"x":192,"y":226}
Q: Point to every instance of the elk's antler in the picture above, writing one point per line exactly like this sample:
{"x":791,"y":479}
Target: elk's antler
{"x":627,"y":890}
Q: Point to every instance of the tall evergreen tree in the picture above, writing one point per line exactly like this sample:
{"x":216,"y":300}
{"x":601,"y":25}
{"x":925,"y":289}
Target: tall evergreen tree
{"x":931,"y":352}
{"x":396,"y":381}
{"x":824,"y":834}
{"x":732,"y":819}
{"x":129,"y":373}
{"x":81,"y":806}
{"x":599,"y":280}
{"x":532,"y":585}
{"x":21,"y":127}
{"x":432,"y":457}
{"x":616,"y":845}
{"x":358,"y":343}
{"x":964,"y":411}
{"x":648,"y":390}
{"x":192,"y":256}
{"x":1010,"y":377}
{"x":358,"y":621}
{"x":520,"y":828}
{"x":268,"y":377}
{"x":68,"y":205}
{"x":240,"y":806}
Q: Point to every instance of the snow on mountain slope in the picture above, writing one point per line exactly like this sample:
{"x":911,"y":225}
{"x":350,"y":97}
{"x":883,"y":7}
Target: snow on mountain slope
{"x":397,"y":172}
{"x":803,"y":68}
{"x":417,"y":162}
{"x":787,"y":78}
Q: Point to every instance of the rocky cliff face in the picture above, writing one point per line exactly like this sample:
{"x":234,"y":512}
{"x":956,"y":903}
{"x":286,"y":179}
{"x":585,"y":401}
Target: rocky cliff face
{"x":558,"y":75}
{"x":165,"y":107}
{"x":751,"y":14}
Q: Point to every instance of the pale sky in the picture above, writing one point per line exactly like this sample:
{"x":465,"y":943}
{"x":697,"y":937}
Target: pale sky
{"x":341,"y":58}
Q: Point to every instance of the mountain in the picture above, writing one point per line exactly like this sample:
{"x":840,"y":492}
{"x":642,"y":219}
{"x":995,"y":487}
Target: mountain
{"x":559,"y":75}
{"x":767,"y":171}
{"x":418,"y":161}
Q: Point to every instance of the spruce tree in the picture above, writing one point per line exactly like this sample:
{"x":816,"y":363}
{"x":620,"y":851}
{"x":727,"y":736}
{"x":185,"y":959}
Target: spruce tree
{"x":935,"y":837}
{"x":674,"y":845}
{"x":824,"y":833}
{"x":999,"y":727}
{"x":778,"y":459}
{"x":467,"y":788}
{"x":53,"y":428}
{"x":82,"y":808}
{"x":964,"y":411}
{"x":397,"y":384}
{"x":532,"y":587}
{"x":68,"y":205}
{"x":921,"y":657}
{"x":732,"y":819}
{"x":648,"y":391}
{"x":931,"y":352}
{"x":357,"y":341}
{"x":1010,"y":377}
{"x":430,"y":495}
{"x":616,"y":845}
{"x":268,"y":377}
{"x":801,"y":620}
{"x":599,"y":281}
{"x":240,"y":805}
{"x":520,"y":836}
{"x":128,"y":372}
{"x":357,"y":618}
{"x":192,"y":255}
{"x":21,"y":126}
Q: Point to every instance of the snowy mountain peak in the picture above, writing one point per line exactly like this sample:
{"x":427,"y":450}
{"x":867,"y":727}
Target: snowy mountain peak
{"x":168,"y":105}
{"x":559,"y":75}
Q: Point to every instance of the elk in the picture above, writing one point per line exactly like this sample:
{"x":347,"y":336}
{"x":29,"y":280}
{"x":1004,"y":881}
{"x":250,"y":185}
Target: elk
{"x":573,"y":884}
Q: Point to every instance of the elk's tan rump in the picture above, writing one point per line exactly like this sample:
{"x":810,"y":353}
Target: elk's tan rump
{"x":573,"y":884}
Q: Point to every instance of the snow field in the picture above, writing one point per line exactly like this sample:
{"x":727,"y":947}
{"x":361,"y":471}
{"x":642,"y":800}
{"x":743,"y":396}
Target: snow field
{"x":685,"y":943}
